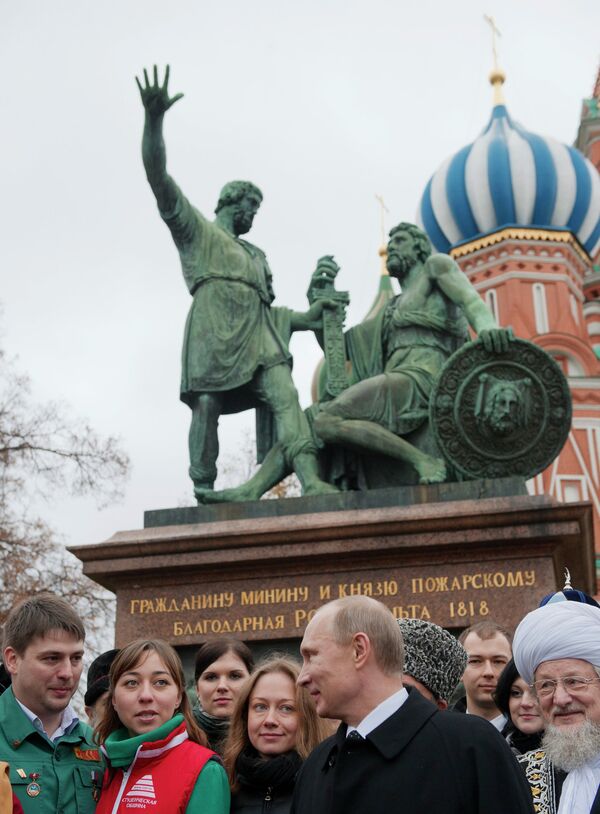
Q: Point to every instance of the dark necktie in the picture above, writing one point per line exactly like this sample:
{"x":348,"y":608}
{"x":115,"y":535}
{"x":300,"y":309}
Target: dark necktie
{"x":354,"y":740}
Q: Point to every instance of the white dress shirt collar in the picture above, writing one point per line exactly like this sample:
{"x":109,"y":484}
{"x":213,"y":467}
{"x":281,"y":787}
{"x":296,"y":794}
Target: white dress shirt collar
{"x":68,"y":721}
{"x":380,"y":714}
{"x":499,"y":721}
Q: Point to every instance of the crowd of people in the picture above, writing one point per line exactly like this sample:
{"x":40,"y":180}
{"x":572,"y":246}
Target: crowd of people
{"x":380,"y":716}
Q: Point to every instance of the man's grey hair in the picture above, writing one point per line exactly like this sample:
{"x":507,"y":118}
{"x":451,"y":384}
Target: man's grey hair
{"x":362,"y":614}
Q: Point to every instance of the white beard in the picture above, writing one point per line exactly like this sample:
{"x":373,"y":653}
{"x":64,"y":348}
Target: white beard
{"x":570,"y":747}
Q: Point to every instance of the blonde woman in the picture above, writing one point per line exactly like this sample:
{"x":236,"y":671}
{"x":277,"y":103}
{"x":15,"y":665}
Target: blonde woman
{"x":273,"y":729}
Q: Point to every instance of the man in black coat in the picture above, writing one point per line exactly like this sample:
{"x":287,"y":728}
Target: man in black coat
{"x":394,"y":751}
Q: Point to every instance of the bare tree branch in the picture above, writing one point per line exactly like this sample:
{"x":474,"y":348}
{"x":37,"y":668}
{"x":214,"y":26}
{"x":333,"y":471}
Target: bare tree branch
{"x":44,"y":451}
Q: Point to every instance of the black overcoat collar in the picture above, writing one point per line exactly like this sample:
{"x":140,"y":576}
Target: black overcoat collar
{"x":395,"y":733}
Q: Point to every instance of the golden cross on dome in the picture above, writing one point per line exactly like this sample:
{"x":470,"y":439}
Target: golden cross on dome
{"x":497,"y":75}
{"x":384,"y":209}
{"x":383,"y":247}
{"x":495,"y":32}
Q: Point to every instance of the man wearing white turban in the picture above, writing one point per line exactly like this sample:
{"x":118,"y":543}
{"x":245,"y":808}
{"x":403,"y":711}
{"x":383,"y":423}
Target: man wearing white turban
{"x":557,"y":650}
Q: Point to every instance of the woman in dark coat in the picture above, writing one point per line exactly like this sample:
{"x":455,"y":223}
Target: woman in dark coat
{"x":274,"y":727}
{"x":515,"y":699}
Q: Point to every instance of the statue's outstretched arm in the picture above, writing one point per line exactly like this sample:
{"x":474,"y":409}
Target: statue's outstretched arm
{"x":156,"y":101}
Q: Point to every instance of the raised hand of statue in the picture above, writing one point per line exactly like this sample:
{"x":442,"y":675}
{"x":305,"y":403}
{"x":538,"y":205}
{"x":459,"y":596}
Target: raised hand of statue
{"x":155,"y":97}
{"x":323,"y":277}
{"x":495,"y":340}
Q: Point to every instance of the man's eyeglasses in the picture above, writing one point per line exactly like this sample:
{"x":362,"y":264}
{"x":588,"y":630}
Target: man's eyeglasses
{"x":572,"y":684}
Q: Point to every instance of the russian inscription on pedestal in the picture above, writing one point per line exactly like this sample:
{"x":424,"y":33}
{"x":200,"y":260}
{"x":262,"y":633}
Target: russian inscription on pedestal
{"x":452,"y":596}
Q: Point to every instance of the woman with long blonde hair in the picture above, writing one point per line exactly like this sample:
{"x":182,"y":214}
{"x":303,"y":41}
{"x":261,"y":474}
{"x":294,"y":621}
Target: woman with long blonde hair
{"x":156,"y":752}
{"x":274,"y":727}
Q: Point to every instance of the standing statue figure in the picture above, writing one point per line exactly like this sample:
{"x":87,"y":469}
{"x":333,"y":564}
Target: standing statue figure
{"x":396,"y":358}
{"x":235,"y":353}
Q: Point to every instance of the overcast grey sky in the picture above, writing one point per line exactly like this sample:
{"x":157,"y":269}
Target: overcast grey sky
{"x":323,"y":104}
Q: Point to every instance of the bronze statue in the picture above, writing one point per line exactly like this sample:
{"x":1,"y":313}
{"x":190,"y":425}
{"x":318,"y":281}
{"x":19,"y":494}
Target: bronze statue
{"x":417,"y":334}
{"x":235,"y":347}
{"x":396,"y":358}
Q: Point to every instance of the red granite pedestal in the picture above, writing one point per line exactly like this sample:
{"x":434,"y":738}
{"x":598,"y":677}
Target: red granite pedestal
{"x":452,"y":558}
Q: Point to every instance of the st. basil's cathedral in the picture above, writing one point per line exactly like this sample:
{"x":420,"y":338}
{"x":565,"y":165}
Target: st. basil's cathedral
{"x":520,"y":214}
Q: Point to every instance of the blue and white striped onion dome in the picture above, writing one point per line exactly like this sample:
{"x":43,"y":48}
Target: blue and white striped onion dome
{"x":510,"y":177}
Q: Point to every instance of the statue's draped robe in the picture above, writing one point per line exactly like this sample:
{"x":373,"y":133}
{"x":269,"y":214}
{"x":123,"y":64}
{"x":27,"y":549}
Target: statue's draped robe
{"x":395,"y":359}
{"x":231,"y":331}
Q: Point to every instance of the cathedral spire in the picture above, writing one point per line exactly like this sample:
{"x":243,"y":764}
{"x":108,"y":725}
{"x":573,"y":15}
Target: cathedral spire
{"x":596,"y":93}
{"x":588,"y":136}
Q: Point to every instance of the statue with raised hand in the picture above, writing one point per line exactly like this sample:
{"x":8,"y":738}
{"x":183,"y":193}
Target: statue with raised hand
{"x":235,"y":348}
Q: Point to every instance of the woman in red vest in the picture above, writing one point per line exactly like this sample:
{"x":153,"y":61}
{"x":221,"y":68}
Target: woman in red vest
{"x":157,"y":755}
{"x":274,"y":727}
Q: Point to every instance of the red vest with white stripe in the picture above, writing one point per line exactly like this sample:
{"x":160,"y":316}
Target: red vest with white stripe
{"x":160,"y":779}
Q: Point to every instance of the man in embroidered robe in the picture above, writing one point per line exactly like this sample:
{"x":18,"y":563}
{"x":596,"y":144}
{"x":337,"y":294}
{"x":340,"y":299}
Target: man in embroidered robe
{"x":235,"y":352}
{"x":557,"y":650}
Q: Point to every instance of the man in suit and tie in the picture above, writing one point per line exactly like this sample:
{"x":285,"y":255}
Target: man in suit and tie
{"x":394,"y":750}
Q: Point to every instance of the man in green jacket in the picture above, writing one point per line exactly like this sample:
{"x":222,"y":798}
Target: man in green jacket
{"x":55,"y":766}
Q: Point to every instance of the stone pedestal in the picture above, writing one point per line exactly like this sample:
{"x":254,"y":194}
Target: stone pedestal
{"x":454,"y":554}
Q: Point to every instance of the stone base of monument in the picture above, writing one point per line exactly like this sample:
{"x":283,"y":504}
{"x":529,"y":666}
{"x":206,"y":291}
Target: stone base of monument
{"x":454,"y":553}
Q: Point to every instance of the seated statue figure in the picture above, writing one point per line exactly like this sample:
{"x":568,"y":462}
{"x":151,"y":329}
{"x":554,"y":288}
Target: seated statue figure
{"x":396,"y":358}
